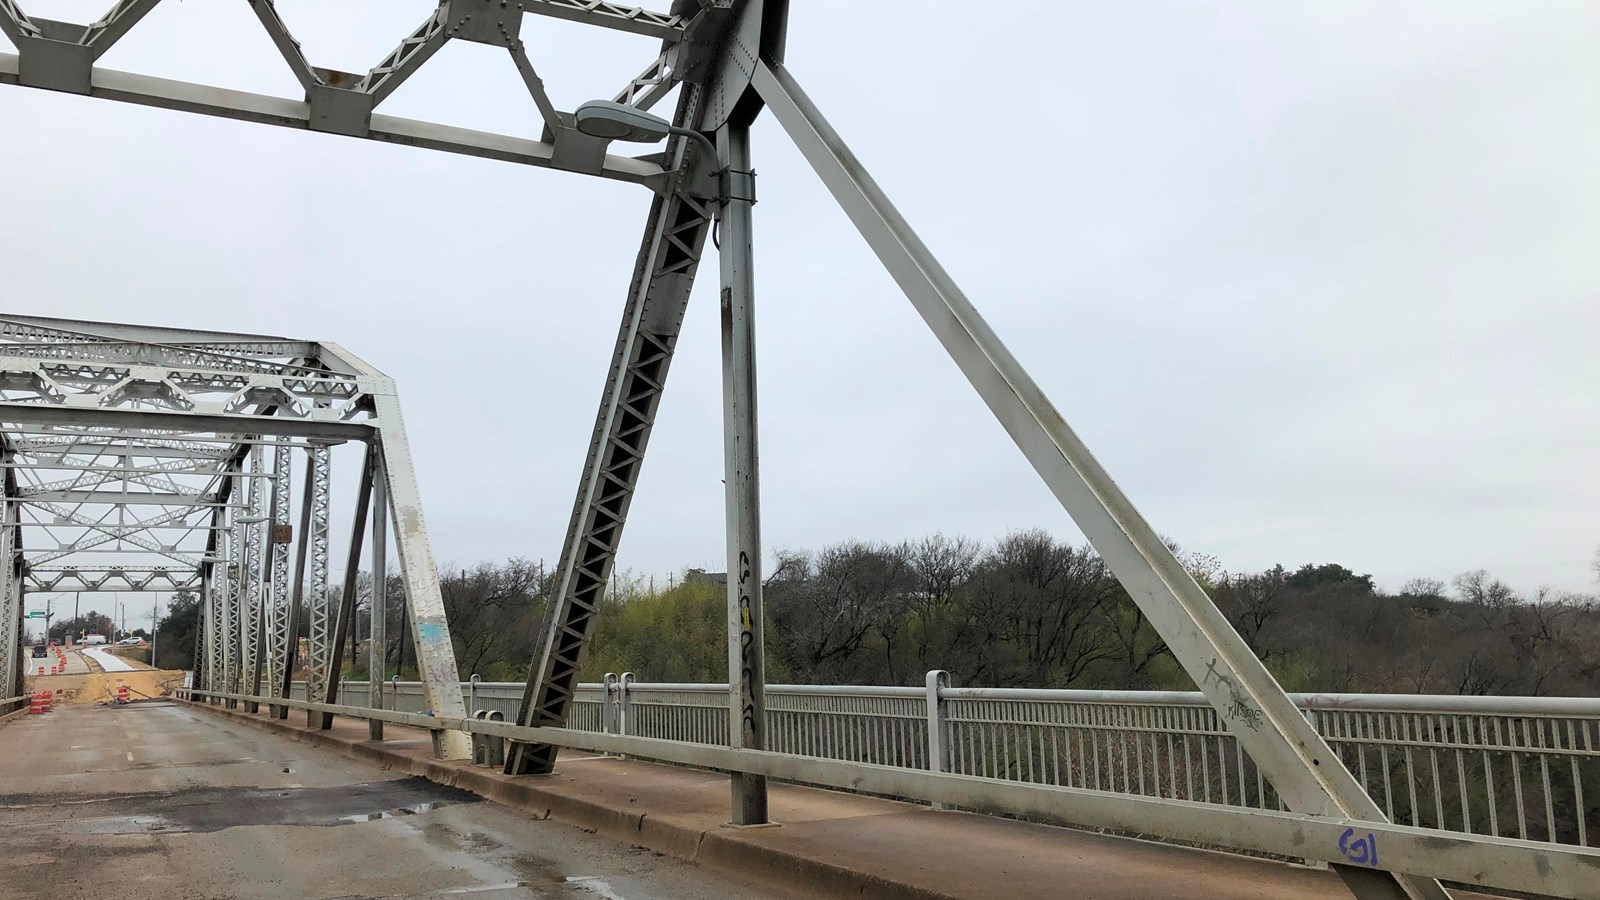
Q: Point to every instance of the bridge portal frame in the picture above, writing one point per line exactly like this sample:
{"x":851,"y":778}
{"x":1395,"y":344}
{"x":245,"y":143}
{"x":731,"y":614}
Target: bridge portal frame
{"x":130,"y":439}
{"x":727,"y":56}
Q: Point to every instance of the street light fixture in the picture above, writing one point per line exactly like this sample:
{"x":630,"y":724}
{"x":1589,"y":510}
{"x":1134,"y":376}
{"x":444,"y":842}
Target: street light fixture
{"x":615,"y":121}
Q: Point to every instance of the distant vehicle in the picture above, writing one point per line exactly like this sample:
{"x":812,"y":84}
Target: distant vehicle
{"x":40,"y":651}
{"x":94,"y":639}
{"x":128,"y":641}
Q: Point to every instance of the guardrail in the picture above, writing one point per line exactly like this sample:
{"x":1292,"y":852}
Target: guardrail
{"x":1524,"y":767}
{"x":1485,"y":860}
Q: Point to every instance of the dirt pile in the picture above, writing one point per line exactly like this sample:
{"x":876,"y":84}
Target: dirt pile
{"x":101,"y":687}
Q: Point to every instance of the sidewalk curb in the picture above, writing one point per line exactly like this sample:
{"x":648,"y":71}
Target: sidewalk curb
{"x":722,"y":849}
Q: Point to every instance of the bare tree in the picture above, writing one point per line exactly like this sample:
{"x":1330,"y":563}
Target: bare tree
{"x":486,"y":605}
{"x":940,"y":569}
{"x":825,"y":607}
{"x":1251,"y":602}
{"x":1035,"y":607}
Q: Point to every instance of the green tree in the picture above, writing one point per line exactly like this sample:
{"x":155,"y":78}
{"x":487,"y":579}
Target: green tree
{"x":177,"y":631}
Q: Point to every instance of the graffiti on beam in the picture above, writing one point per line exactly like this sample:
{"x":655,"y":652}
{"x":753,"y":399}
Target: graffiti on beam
{"x":1362,"y":851}
{"x":1239,"y":708}
{"x":747,"y":640}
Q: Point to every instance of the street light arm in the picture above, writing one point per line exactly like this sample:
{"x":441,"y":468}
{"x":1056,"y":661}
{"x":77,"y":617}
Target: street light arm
{"x":710,"y":148}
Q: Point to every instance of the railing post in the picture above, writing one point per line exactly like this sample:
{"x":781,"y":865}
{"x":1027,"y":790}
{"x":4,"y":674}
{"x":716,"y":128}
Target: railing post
{"x":624,"y":704}
{"x":472,"y":693}
{"x":938,"y":726}
{"x":608,"y":710}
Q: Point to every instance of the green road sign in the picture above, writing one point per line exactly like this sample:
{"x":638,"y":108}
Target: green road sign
{"x":36,"y":614}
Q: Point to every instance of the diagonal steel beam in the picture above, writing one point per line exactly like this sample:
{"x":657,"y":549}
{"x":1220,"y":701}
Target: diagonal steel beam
{"x":430,"y":631}
{"x":659,"y":294}
{"x":114,"y":24}
{"x":267,"y":12}
{"x":15,"y":23}
{"x":1305,"y":771}
{"x":406,"y":59}
{"x":649,"y":86}
{"x":665,"y":26}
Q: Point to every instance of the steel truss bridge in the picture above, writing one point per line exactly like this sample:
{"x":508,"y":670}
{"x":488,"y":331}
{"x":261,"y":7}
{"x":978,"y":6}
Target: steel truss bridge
{"x":175,"y":450}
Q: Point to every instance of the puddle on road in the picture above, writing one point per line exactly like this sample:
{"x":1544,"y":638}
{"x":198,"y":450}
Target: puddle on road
{"x":393,"y":813}
{"x":214,"y":809}
{"x":124,"y":825}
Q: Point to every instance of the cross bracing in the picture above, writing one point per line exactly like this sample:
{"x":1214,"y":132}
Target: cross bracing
{"x":725,"y":60}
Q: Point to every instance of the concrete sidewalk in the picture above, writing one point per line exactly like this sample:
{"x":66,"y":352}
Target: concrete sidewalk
{"x":833,"y":843}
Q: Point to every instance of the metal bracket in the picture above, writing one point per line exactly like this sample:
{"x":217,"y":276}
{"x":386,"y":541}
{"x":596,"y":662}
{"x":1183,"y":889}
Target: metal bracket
{"x":484,"y":21}
{"x":574,"y":151}
{"x":55,"y":60}
{"x":734,"y":184}
{"x":338,"y":109}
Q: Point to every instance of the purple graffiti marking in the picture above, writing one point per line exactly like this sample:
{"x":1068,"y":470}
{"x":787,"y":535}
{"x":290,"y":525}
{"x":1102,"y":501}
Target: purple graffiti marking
{"x":1363,"y":851}
{"x":747,"y":641}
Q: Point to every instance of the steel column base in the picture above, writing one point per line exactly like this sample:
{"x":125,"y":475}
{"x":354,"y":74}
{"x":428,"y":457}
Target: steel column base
{"x":530,"y":759}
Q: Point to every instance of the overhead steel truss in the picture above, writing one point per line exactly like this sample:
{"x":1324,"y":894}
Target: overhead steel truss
{"x":725,"y":58}
{"x":199,"y":500}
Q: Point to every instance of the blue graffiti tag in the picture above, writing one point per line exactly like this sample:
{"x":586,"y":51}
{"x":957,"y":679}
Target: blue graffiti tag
{"x":1362,"y":851}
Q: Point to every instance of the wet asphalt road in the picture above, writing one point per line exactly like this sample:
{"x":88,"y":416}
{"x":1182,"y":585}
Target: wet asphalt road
{"x":158,"y":801}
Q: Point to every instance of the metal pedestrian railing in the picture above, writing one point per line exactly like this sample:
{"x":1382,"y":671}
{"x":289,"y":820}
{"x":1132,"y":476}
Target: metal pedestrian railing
{"x":1522,"y":767}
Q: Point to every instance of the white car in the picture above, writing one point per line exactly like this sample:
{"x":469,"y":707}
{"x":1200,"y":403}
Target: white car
{"x":132,"y":640}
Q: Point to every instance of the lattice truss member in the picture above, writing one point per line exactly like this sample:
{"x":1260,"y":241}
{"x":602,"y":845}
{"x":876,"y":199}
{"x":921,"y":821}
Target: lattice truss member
{"x":724,"y":59}
{"x":160,"y":459}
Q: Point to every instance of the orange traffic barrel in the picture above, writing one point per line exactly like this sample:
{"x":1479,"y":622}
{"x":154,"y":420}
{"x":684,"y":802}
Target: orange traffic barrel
{"x":36,"y":706}
{"x":122,"y":693}
{"x":49,"y":700}
{"x":41,"y":670}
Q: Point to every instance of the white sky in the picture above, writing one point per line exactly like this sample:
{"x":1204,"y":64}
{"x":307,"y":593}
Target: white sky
{"x":1316,"y":281}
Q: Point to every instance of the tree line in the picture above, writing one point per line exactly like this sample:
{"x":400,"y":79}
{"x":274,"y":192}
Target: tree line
{"x":1027,"y":610}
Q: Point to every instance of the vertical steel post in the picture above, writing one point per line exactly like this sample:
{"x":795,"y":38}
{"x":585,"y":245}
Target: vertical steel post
{"x":377,"y":639}
{"x":319,"y":611}
{"x":291,"y":650}
{"x":747,"y":708}
{"x":11,"y":605}
{"x":251,"y":598}
{"x":347,"y":594}
{"x":202,"y":657}
{"x":227,"y":597}
{"x":938,"y":725}
{"x":276,"y":606}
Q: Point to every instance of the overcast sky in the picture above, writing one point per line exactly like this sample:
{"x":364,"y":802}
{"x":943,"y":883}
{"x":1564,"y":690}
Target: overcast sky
{"x":1316,"y":282}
